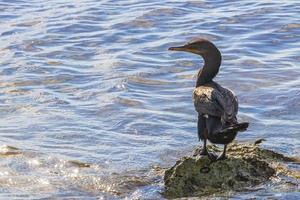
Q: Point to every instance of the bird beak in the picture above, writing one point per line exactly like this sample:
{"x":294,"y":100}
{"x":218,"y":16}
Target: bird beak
{"x":181,"y":48}
{"x":186,"y":48}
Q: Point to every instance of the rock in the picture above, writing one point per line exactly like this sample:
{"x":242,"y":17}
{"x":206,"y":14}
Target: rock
{"x":247,"y":165}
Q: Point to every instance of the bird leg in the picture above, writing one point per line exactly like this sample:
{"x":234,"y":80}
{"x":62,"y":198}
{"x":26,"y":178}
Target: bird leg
{"x":223,"y":155}
{"x":204,"y":151}
{"x":202,"y":133}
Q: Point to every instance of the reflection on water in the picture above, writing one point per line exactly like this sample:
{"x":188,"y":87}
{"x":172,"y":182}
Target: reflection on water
{"x":92,"y":99}
{"x":36,"y":173}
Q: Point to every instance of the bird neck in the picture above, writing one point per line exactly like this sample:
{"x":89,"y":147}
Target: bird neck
{"x":212,"y":63}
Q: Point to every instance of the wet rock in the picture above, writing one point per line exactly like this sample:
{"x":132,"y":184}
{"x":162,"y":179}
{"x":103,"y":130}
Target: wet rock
{"x":7,"y":150}
{"x":247,"y":165}
{"x":79,"y":164}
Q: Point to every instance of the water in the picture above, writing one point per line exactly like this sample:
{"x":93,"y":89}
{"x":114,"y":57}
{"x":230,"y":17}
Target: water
{"x":91,"y":100}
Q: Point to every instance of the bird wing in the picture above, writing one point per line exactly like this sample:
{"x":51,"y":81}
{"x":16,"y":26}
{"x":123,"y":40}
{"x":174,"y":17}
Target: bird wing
{"x":214,"y":100}
{"x":206,"y":101}
{"x":230,"y":105}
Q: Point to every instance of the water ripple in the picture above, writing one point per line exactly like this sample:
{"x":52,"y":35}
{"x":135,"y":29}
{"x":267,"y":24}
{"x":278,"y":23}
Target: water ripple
{"x":91,"y":83}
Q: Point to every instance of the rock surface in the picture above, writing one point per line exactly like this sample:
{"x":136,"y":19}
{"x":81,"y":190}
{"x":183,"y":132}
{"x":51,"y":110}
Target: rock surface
{"x":247,"y":165}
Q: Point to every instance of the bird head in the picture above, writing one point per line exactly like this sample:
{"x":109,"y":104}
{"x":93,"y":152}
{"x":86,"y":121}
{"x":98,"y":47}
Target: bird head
{"x":198,"y":46}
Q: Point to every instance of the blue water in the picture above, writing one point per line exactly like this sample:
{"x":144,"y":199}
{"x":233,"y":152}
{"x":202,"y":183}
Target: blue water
{"x":92,"y":82}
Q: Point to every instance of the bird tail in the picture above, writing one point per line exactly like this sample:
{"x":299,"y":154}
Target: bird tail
{"x":239,"y":127}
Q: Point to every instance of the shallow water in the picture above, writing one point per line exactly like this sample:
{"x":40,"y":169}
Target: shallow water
{"x":91,"y":100}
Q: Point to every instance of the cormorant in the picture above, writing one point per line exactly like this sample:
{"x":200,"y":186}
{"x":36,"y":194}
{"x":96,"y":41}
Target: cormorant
{"x":217,"y":106}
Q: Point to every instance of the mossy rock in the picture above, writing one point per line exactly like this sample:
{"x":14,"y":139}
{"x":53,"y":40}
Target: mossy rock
{"x":247,"y":165}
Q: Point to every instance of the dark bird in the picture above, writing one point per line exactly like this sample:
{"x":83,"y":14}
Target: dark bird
{"x":217,"y":106}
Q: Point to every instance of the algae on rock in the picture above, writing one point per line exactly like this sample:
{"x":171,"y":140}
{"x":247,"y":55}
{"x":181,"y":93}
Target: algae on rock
{"x":247,"y":165}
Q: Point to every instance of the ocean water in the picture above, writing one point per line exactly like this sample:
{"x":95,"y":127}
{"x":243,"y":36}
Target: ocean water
{"x":92,"y":103}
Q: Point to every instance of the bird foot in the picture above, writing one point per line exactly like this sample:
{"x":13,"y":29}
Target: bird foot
{"x":221,"y":157}
{"x":210,"y":155}
{"x":203,"y":152}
